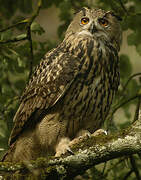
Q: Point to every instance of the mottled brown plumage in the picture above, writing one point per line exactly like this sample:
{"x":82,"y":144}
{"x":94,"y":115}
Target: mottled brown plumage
{"x":72,"y":88}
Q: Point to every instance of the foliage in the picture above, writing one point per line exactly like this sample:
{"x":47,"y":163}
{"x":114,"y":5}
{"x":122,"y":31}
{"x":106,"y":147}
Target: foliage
{"x":17,"y":58}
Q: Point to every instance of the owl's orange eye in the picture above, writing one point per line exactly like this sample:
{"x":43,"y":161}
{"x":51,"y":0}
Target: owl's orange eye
{"x":103,"y":22}
{"x":84,"y":20}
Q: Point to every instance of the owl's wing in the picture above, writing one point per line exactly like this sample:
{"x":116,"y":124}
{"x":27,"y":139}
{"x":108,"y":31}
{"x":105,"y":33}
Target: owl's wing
{"x":51,"y":79}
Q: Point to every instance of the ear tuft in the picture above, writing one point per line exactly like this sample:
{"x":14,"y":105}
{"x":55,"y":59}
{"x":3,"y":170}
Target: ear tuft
{"x":83,"y":9}
{"x":115,"y":15}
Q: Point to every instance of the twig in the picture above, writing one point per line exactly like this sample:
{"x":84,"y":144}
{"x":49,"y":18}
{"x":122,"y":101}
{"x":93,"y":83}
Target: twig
{"x":29,"y":37}
{"x":25,"y":21}
{"x":104,"y":168}
{"x":114,"y":166}
{"x":139,"y":119}
{"x":122,"y":104}
{"x":15,"y":39}
{"x":134,"y":167}
{"x":131,"y":77}
{"x":136,"y":116}
{"x":128,"y":174}
{"x":94,"y":173}
{"x":123,"y":7}
{"x":31,"y":51}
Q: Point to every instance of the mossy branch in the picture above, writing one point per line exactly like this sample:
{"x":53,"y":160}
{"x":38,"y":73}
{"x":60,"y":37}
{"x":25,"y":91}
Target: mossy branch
{"x":88,"y":152}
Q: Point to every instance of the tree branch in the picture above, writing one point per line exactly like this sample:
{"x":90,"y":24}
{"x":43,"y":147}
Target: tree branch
{"x":14,"y":39}
{"x":29,"y":37}
{"x":123,"y":7}
{"x":88,"y":152}
{"x":130,"y":78}
{"x":134,"y":167}
{"x":15,"y":25}
{"x":128,"y":174}
{"x":118,"y":106}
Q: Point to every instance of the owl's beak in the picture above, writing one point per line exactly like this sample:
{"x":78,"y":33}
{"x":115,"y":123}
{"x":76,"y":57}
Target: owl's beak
{"x":93,"y":28}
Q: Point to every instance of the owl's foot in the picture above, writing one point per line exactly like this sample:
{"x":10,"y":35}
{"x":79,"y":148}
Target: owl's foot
{"x":99,"y":132}
{"x":82,"y":135}
{"x":63,"y":147}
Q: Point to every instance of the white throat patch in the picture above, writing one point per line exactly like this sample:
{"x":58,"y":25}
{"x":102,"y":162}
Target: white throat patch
{"x":85,"y":32}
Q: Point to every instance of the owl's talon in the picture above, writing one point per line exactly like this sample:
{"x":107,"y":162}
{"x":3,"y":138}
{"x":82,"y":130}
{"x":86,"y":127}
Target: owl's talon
{"x":106,"y":133}
{"x":85,"y":136}
{"x":88,"y":134}
{"x":83,"y":133}
{"x":100,"y":132}
{"x":70,"y":151}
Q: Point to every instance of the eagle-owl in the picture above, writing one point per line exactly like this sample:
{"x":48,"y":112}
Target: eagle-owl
{"x":71,"y":89}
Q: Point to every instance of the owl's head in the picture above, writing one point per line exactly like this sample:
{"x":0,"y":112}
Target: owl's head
{"x":98,"y":24}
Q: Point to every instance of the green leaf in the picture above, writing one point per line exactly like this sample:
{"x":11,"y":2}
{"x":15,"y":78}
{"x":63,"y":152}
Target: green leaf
{"x":131,"y":39}
{"x":36,"y":28}
{"x":125,"y":66}
{"x":6,"y":35}
{"x":133,"y":88}
{"x":138,"y":47}
{"x":21,"y":36}
{"x":20,"y":84}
